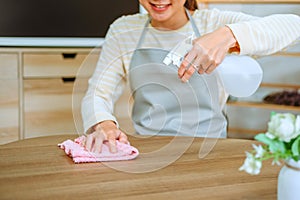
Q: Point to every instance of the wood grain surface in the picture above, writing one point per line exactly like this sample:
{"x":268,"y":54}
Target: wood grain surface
{"x":37,"y":169}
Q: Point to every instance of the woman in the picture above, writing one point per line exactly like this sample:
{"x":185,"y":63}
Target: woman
{"x":171,"y":100}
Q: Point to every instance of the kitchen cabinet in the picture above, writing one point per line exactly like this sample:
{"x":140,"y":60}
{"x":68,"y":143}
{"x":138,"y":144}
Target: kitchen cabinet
{"x":38,"y":96}
{"x":41,"y":91}
{"x":48,"y":79}
{"x":9,"y":97}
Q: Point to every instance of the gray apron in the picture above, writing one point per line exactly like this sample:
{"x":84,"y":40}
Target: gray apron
{"x":163,"y":105}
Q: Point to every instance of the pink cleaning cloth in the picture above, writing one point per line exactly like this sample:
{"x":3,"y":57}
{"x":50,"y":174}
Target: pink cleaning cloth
{"x":75,"y":149}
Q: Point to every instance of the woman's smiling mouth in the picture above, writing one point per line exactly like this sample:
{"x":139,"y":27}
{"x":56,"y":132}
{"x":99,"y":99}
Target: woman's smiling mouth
{"x":159,"y":7}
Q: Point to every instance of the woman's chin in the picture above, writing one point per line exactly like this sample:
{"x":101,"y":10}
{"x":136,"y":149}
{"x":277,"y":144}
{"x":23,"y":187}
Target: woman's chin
{"x":160,"y":18}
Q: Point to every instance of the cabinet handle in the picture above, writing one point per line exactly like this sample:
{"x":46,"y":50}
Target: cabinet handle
{"x":69,"y":55}
{"x":68,"y":79}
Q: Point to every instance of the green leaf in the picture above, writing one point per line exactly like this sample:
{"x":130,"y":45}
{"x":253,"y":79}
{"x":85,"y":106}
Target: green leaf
{"x":277,"y":146}
{"x":296,"y":147}
{"x":274,"y":145}
{"x":263,"y":138}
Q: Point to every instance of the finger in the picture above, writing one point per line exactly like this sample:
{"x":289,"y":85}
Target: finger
{"x":112,"y":143}
{"x":181,"y":70}
{"x":210,"y":69}
{"x":216,"y":62}
{"x":201,"y":70}
{"x":188,"y":73}
{"x":186,"y":62}
{"x":204,"y":61}
{"x":89,"y":142}
{"x":98,"y":145}
{"x":123,"y":138}
{"x":198,"y":62}
{"x":210,"y":64}
{"x":205,"y":65}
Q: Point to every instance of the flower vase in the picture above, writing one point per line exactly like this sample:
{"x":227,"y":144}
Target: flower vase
{"x":289,"y":181}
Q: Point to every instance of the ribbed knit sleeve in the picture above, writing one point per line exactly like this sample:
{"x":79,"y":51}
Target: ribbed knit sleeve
{"x":106,"y":84}
{"x":267,"y":35}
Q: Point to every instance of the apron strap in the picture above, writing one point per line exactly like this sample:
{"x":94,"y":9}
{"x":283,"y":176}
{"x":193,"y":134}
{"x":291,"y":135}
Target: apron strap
{"x":143,"y":34}
{"x":193,"y":23}
{"x":191,"y":19}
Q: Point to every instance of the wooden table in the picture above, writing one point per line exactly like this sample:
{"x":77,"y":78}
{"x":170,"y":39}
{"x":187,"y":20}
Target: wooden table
{"x":38,"y":169}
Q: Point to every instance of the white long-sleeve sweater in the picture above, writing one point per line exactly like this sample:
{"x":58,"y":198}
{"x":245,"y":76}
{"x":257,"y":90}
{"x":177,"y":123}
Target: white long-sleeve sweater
{"x":256,"y":36}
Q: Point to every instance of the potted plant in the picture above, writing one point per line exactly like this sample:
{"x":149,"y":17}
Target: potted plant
{"x":281,"y":142}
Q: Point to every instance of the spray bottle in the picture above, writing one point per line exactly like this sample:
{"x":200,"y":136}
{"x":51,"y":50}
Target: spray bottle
{"x":240,"y":75}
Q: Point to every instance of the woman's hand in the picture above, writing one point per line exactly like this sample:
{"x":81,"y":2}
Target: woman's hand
{"x":105,"y":131}
{"x":207,"y":53}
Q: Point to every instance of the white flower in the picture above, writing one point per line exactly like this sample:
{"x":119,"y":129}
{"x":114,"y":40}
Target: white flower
{"x":284,"y":126}
{"x":259,"y":151}
{"x":251,"y":165}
